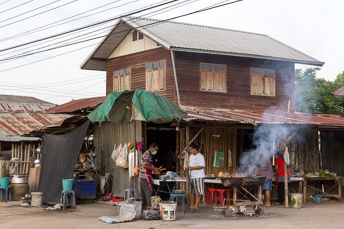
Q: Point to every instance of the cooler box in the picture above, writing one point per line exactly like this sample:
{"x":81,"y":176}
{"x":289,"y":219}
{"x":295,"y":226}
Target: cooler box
{"x":85,"y":189}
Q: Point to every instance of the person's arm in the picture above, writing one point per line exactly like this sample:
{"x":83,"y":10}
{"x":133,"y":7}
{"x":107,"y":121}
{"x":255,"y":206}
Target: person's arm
{"x":198,"y":167}
{"x":147,"y":166}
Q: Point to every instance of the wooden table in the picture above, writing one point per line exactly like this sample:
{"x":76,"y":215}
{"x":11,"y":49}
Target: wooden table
{"x":311,"y":182}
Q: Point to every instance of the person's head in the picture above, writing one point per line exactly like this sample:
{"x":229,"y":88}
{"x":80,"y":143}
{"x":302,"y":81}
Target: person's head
{"x":153,"y":148}
{"x":193,"y":148}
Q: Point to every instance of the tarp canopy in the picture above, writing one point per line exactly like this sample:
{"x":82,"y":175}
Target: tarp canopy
{"x":125,"y":106}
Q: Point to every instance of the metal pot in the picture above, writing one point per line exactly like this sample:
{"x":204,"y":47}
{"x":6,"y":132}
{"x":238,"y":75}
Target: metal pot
{"x":19,"y":180}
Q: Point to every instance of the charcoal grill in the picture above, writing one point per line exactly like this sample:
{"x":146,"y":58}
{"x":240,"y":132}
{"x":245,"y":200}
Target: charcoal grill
{"x":242,"y":181}
{"x":251,"y":206}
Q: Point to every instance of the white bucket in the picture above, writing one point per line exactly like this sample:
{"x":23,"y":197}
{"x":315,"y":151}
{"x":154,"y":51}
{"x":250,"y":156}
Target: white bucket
{"x":36,"y":199}
{"x":296,"y":200}
{"x":168,"y":211}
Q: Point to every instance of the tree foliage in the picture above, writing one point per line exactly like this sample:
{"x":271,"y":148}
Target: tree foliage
{"x":314,"y":95}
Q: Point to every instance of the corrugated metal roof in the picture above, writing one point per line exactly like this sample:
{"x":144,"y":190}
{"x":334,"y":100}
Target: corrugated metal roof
{"x":258,"y":117}
{"x":23,"y":103}
{"x":198,"y":38}
{"x":340,"y":91}
{"x":5,"y":138}
{"x":77,"y":105}
{"x":21,"y":123}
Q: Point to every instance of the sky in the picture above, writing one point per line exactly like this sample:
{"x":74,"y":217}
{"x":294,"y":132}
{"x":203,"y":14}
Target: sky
{"x":314,"y":27}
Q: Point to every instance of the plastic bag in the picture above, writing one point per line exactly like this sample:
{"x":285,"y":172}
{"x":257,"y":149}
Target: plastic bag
{"x":122,"y":157}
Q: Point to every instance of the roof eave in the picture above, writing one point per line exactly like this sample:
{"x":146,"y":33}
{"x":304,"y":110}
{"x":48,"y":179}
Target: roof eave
{"x":212,"y":52}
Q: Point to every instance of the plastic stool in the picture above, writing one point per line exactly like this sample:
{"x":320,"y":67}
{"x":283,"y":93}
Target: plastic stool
{"x":210,"y":196}
{"x":221,"y":197}
{"x":175,"y":196}
{"x":7,"y":192}
{"x":68,"y":199}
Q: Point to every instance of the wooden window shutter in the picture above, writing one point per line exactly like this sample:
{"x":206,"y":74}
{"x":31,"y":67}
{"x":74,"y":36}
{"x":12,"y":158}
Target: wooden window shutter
{"x":217,"y":81}
{"x":162,"y":79}
{"x":127,"y":82}
{"x":210,"y":81}
{"x":273,"y":87}
{"x":155,"y":80}
{"x":257,"y":85}
{"x":223,"y":81}
{"x":203,"y":80}
{"x":149,"y":79}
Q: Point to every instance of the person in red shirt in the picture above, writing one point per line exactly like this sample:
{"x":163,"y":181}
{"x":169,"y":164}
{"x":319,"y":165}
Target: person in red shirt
{"x":280,"y":173}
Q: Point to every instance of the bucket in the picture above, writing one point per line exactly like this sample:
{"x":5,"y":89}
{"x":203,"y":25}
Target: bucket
{"x":4,"y":182}
{"x":296,"y":200}
{"x":129,"y":193}
{"x":67,"y":184}
{"x":168,"y":211}
{"x":36,"y":199}
{"x":318,"y":199}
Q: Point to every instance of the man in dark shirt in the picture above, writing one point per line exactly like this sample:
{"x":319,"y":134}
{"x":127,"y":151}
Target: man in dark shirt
{"x":267,"y":171}
{"x":146,"y":181}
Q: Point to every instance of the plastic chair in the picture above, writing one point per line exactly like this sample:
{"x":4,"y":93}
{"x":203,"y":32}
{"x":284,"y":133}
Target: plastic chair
{"x":175,"y":195}
{"x":7,"y":192}
{"x":68,"y":199}
{"x":210,"y":196}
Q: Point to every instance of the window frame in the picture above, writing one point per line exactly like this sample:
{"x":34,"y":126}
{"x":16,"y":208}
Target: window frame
{"x":150,"y":67}
{"x":264,"y":78}
{"x":126,"y":73}
{"x":213,"y":72}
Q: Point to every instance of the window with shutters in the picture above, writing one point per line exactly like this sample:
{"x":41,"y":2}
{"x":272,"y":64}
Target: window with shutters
{"x":121,"y":79}
{"x":156,"y":76}
{"x":137,"y":35}
{"x":213,"y":77}
{"x":263,"y":82}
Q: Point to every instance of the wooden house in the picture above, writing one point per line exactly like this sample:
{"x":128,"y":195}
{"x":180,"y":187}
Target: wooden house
{"x":228,"y":81}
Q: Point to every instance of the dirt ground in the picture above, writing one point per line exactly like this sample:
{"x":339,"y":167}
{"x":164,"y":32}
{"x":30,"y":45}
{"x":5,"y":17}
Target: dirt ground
{"x":326,"y":215}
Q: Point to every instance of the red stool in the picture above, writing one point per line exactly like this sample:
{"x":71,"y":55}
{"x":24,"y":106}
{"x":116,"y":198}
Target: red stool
{"x":221,"y":197}
{"x":210,"y":196}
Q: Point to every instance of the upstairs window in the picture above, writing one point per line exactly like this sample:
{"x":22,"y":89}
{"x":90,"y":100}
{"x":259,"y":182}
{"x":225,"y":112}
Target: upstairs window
{"x":121,"y":79}
{"x":156,"y":76}
{"x":263,"y":82}
{"x":137,"y":35}
{"x":213,"y":77}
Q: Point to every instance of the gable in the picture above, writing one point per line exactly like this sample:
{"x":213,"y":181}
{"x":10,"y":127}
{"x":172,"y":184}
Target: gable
{"x":128,"y":46}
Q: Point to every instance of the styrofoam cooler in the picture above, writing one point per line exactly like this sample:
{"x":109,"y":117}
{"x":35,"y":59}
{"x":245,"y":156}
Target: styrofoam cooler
{"x":168,"y":211}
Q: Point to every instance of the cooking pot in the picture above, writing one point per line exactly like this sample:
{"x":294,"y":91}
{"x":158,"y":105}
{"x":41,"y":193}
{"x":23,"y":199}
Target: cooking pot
{"x":19,"y":180}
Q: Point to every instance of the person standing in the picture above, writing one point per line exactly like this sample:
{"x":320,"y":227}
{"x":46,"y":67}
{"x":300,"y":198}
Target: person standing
{"x":280,"y":173}
{"x":267,"y":171}
{"x":145,"y":175}
{"x":197,"y":174}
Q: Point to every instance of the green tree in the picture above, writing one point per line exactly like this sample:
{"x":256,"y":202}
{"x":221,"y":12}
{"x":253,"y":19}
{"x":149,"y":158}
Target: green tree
{"x":315,"y":95}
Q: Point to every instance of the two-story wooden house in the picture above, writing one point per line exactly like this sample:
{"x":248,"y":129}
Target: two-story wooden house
{"x":228,"y":81}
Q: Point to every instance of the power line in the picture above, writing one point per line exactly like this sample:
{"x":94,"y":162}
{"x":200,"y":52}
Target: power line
{"x":50,"y":25}
{"x":217,"y":5}
{"x":36,"y":51}
{"x":89,"y":26}
{"x":40,"y":13}
{"x":7,"y":19}
{"x":220,"y":4}
{"x":21,"y":4}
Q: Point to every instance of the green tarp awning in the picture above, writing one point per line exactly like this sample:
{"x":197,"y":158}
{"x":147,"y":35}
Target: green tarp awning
{"x":125,"y":106}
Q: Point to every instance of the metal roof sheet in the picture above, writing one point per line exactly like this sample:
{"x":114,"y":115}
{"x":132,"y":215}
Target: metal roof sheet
{"x":259,"y":117}
{"x":198,"y":38}
{"x":21,"y":123}
{"x":23,"y":103}
{"x":77,"y":105}
{"x":339,"y":91}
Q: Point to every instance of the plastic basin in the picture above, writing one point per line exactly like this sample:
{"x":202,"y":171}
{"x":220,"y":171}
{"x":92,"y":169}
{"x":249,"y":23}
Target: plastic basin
{"x":4,"y":182}
{"x":67,"y":184}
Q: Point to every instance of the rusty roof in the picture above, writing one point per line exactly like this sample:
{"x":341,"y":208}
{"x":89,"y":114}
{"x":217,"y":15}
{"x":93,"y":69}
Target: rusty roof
{"x":339,"y":91}
{"x":259,"y":117}
{"x":22,"y":103}
{"x":21,"y":123}
{"x":77,"y":105}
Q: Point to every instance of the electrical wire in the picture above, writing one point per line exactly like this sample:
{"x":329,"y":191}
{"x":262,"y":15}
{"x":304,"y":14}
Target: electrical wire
{"x":30,"y":11}
{"x":40,"y":13}
{"x":52,"y":24}
{"x":90,"y":25}
{"x":29,"y":53}
{"x":16,"y":6}
{"x":220,"y":4}
{"x":217,"y":5}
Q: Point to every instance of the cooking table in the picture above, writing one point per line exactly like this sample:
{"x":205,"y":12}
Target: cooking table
{"x":312,"y":182}
{"x":168,"y":183}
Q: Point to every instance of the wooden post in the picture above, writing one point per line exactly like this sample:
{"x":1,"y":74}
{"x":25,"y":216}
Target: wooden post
{"x":304,"y":191}
{"x":235,"y":194}
{"x":260,"y":194}
{"x":286,"y":199}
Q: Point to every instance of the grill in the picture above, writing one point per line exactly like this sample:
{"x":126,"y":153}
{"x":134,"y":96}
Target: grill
{"x":242,"y":181}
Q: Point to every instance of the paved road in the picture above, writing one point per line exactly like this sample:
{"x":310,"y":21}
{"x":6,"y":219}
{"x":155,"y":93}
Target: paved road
{"x":329,"y":215}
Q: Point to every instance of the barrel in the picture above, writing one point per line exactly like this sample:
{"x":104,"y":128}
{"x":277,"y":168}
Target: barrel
{"x":18,"y":191}
{"x":36,"y":199}
{"x":4,"y":182}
